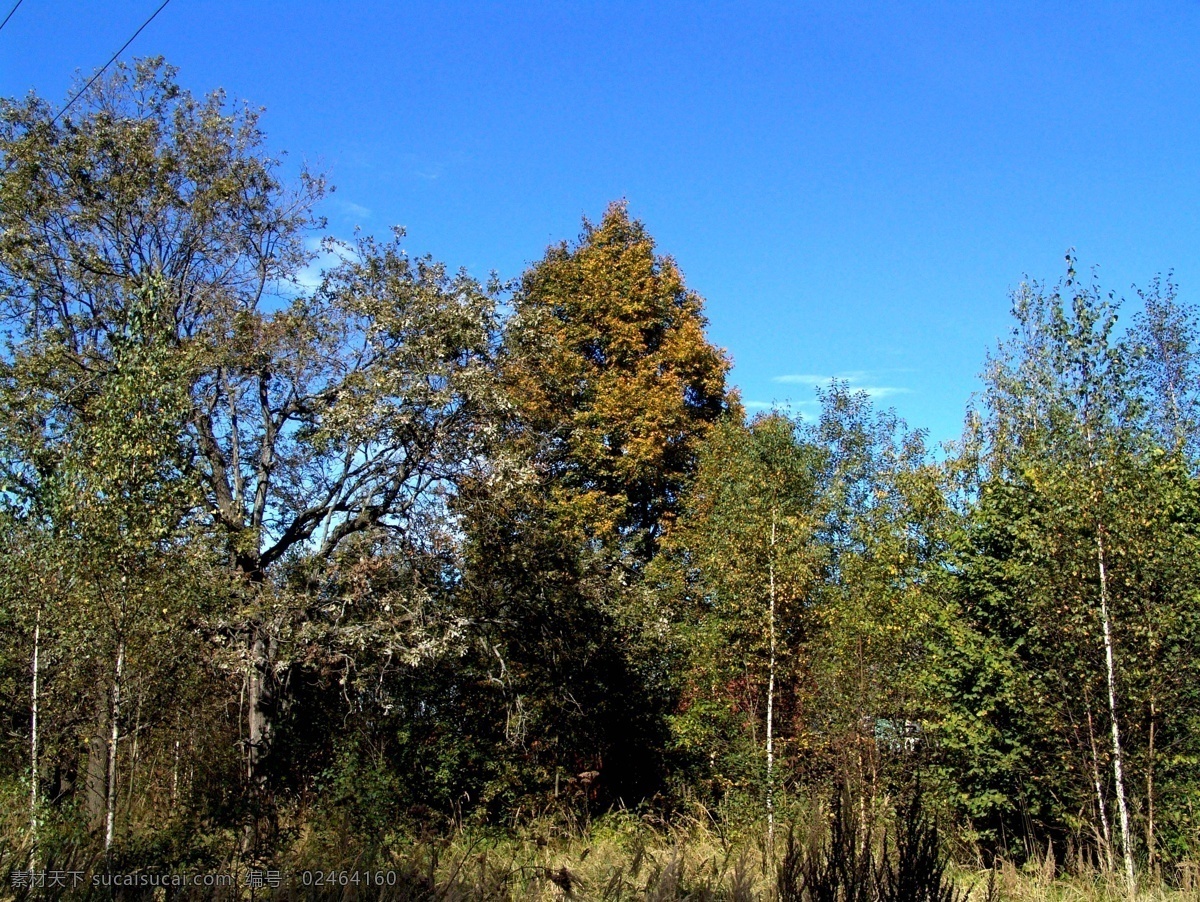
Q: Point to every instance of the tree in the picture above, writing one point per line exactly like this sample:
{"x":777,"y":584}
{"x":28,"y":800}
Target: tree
{"x":801,"y":578}
{"x":1165,"y":369}
{"x":608,"y":385}
{"x":884,"y":527}
{"x":311,"y":418}
{"x":1066,"y":395}
{"x":105,"y":525}
{"x":612,"y":381}
{"x":738,"y":579}
{"x":1078,"y":508}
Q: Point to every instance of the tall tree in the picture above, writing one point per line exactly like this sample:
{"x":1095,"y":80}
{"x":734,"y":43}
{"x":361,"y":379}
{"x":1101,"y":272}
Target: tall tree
{"x":1062,"y":391}
{"x":883,"y":530}
{"x":606,"y":363}
{"x":739,"y":579}
{"x":800,"y":574}
{"x":609,"y":385}
{"x":106,"y":519}
{"x":311,"y":418}
{"x":1077,"y":510}
{"x":1165,"y":366}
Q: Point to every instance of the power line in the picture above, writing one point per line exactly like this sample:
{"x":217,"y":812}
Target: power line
{"x":10,"y":12}
{"x":100,"y":71}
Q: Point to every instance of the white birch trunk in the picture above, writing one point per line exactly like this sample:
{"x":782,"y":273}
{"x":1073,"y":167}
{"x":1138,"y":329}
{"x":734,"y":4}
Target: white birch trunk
{"x":1101,"y":807}
{"x":133,"y":754}
{"x":175,"y":765}
{"x":1151,"y":848}
{"x":1118,"y":760}
{"x":33,"y":728}
{"x":111,"y":796}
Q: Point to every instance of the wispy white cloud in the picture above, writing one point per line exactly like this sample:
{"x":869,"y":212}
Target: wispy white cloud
{"x":882,"y":391}
{"x":350,"y":210}
{"x":430,"y":172}
{"x":791,"y":408}
{"x":858,"y":380}
{"x":855,"y":376}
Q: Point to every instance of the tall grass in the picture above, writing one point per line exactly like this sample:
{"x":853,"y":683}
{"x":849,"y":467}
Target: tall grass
{"x":828,"y":853}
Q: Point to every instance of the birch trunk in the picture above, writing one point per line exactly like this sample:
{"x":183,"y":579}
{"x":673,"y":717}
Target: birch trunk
{"x":133,"y":753}
{"x":1118,"y":757}
{"x":1151,"y":845}
{"x":114,"y":736}
{"x":1101,"y":806}
{"x":1151,"y":851}
{"x":175,"y":765}
{"x":33,"y":728}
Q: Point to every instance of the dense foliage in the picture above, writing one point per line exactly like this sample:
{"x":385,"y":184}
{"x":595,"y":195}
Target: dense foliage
{"x":403,"y":552}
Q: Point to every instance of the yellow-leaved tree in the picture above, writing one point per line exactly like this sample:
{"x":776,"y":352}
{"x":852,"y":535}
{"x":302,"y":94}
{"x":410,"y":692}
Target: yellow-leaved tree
{"x":609,"y":386}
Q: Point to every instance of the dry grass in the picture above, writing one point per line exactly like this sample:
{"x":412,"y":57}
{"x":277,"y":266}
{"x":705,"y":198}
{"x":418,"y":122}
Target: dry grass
{"x":622,"y":857}
{"x":1044,"y":883}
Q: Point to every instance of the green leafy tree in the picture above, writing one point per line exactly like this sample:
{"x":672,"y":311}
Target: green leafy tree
{"x":805,"y":564}
{"x":1165,"y":368}
{"x":739,"y":580}
{"x":312,"y":418}
{"x":1063,"y":578}
{"x":885,"y":522}
{"x":109,"y":561}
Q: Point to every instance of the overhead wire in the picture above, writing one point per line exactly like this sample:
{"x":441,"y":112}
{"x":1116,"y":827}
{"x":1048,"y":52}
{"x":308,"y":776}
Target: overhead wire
{"x":10,"y":14}
{"x":100,"y":71}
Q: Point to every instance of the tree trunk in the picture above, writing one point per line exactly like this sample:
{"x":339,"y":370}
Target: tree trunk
{"x":175,"y":764}
{"x":1151,"y":851}
{"x":95,"y":784}
{"x":259,"y":687}
{"x":259,"y":720}
{"x":1118,"y":758}
{"x":33,"y":729}
{"x":115,"y":735}
{"x":1101,"y":805}
{"x":1151,"y":845}
{"x":260,"y":725}
{"x":133,"y":753}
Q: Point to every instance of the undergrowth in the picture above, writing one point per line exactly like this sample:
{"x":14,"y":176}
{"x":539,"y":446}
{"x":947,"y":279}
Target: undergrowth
{"x":821,"y":853}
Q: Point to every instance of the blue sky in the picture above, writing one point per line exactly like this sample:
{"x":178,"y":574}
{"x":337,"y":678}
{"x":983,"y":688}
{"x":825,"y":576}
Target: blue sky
{"x":853,"y":187}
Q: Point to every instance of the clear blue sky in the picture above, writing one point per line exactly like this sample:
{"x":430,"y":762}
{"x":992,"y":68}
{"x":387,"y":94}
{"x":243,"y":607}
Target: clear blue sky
{"x":853,"y":187}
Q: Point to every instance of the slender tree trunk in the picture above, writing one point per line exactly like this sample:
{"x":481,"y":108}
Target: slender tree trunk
{"x":1151,"y":852}
{"x":1151,"y":845}
{"x":175,"y":765}
{"x":1118,"y":757}
{"x":190,"y":781}
{"x":33,"y":728}
{"x":1101,"y":805}
{"x":872,"y":749}
{"x":115,"y":735}
{"x":133,"y":754}
{"x":96,"y":785}
{"x":771,"y":699}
